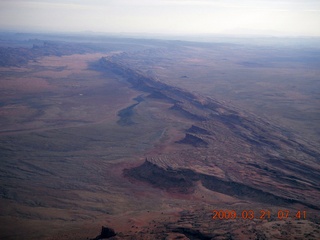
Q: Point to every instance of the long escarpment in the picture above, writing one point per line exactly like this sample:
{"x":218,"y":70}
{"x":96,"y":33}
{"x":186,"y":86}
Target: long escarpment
{"x":183,"y":181}
{"x":226,"y":150}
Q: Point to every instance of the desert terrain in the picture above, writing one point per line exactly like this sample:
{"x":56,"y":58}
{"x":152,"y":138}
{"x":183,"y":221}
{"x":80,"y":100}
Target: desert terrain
{"x":158,"y":139}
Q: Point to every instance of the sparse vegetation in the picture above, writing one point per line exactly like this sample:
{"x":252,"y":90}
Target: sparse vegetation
{"x":79,"y":120}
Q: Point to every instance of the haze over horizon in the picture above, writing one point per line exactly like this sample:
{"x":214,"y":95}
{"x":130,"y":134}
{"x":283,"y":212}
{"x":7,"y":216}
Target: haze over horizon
{"x":261,"y":17}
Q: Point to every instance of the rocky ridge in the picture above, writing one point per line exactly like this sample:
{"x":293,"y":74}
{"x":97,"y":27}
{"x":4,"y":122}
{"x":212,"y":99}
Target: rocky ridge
{"x":230,"y":151}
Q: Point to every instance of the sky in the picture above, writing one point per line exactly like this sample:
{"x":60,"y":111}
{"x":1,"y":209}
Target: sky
{"x":263,"y":17}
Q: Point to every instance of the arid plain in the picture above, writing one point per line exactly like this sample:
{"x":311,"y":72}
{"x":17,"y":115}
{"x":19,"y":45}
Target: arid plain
{"x":149,"y":137}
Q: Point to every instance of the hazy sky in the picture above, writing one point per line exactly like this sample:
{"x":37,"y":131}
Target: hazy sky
{"x":287,"y":17}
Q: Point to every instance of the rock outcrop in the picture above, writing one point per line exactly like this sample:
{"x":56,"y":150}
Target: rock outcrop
{"x":106,"y":233}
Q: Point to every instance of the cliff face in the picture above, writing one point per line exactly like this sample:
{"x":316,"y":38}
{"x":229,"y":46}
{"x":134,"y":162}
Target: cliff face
{"x":169,"y":179}
{"x":183,"y":181}
{"x":193,"y":141}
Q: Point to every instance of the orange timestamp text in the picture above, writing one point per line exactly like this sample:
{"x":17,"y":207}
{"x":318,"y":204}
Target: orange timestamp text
{"x":261,"y":214}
